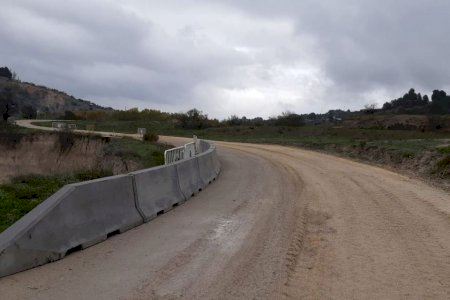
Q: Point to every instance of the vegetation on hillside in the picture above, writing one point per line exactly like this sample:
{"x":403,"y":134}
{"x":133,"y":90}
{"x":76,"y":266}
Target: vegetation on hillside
{"x":27,"y":100}
{"x":20,"y":194}
{"x":415,"y":103}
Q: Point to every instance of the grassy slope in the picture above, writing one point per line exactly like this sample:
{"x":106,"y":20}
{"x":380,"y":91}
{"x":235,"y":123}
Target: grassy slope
{"x":146,"y":154}
{"x":23,"y":193}
{"x":366,"y":144}
{"x":315,"y":137}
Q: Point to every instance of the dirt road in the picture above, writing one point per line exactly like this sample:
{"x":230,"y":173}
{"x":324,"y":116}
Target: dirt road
{"x":27,"y":124}
{"x":278,"y":223}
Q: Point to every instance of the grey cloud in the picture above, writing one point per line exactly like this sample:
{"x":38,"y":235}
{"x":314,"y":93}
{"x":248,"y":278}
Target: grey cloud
{"x":244,"y":57}
{"x":368,"y":45}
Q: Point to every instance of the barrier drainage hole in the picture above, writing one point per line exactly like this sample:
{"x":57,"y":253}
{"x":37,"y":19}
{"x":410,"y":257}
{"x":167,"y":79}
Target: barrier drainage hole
{"x":113,"y":233}
{"x":160,"y":212}
{"x":199,"y":190}
{"x":175,"y":204}
{"x":73,"y":250}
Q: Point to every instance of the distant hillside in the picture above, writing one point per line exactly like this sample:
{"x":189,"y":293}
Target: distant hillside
{"x":27,"y":99}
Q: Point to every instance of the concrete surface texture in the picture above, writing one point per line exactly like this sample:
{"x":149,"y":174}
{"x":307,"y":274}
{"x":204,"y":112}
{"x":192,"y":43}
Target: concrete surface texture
{"x":279,"y":223}
{"x":157,"y":190}
{"x":189,"y":177}
{"x":206,"y":167}
{"x":79,"y":215}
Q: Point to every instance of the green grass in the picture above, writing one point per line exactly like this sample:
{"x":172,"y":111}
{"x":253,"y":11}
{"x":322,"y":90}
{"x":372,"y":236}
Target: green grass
{"x":26,"y":192}
{"x":145,"y":153}
{"x":444,"y":150}
{"x":407,"y":143}
{"x":442,"y":167}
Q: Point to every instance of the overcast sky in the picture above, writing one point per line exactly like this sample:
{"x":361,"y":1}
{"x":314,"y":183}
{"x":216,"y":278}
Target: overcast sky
{"x":252,"y":58}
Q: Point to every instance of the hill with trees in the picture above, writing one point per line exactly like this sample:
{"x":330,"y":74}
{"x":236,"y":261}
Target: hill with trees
{"x":416,"y":104}
{"x":26,"y":100}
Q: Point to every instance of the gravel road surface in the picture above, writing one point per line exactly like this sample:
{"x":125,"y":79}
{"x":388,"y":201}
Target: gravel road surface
{"x":278,"y":223}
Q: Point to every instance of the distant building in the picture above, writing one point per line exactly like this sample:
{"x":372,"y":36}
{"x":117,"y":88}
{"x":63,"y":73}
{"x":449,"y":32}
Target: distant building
{"x":5,"y":72}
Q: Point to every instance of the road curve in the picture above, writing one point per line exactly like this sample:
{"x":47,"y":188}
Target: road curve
{"x":27,"y":123}
{"x":278,"y":223}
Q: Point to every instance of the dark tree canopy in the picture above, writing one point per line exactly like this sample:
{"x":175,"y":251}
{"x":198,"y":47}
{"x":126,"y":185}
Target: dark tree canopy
{"x":289,"y":119}
{"x":7,"y":105}
{"x":409,"y":100}
{"x":440,"y":103}
{"x":5,"y":72}
{"x":29,"y":112}
{"x":193,"y":119}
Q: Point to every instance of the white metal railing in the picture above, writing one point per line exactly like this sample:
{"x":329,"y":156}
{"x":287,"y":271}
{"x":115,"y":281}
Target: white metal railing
{"x":197,"y":144}
{"x":184,"y":152}
{"x":173,"y":155}
{"x":142,"y":131}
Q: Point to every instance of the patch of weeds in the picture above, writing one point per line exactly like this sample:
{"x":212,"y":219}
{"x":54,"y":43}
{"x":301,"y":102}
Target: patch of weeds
{"x":444,"y":150}
{"x":407,"y":154}
{"x":146,"y":154}
{"x":12,"y":135}
{"x":158,"y":157}
{"x":442,"y":167}
{"x":66,"y":140}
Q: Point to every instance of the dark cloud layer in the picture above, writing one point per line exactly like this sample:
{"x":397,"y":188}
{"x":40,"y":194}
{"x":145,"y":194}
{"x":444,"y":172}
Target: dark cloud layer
{"x":229,"y":57}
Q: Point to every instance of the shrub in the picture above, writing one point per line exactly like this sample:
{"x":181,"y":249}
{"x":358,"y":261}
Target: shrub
{"x":443,"y":167}
{"x":11,"y":139}
{"x":444,"y":150}
{"x":66,"y":140}
{"x":151,"y":137}
{"x":29,"y":112}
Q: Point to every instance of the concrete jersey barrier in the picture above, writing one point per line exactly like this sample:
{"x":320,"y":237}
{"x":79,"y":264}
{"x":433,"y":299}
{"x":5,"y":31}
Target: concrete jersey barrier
{"x":83,"y":214}
{"x":76,"y":217}
{"x":189,"y":177}
{"x":157,"y":190}
{"x":207,"y":169}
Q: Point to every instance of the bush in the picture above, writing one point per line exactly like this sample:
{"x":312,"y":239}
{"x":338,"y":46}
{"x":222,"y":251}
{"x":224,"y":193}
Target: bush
{"x":29,"y":112}
{"x":151,"y":137}
{"x":289,"y":119}
{"x":66,"y":140}
{"x":442,"y":167}
{"x":5,"y":72}
{"x":11,"y":139}
{"x":444,"y":150}
{"x":69,"y":115}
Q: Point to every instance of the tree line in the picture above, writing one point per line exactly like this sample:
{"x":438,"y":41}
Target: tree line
{"x":415,"y":103}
